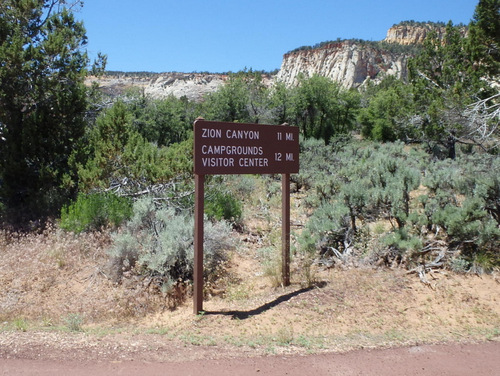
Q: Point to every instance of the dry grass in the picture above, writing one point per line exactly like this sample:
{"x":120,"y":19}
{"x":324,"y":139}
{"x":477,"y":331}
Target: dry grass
{"x":57,"y":281}
{"x":51,"y":276}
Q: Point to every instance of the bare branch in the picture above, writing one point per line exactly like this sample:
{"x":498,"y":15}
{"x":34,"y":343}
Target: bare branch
{"x":421,"y":74}
{"x":482,"y":120}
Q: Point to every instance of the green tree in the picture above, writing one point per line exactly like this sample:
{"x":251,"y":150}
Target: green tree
{"x":386,"y":116}
{"x":448,"y":76}
{"x":484,"y":37}
{"x":105,"y":145}
{"x":229,"y":102}
{"x":162,"y":121}
{"x":258,"y":96}
{"x":244,"y":98}
{"x":117,"y":155}
{"x":42,"y":104}
{"x":322,"y":109}
{"x":280,"y":103}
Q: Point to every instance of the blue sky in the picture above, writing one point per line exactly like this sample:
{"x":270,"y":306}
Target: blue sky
{"x":230,"y":35}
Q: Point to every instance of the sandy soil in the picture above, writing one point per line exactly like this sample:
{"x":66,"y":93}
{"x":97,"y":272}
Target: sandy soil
{"x":453,"y":360}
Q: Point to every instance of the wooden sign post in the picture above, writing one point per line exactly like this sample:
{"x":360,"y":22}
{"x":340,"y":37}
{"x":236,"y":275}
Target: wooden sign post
{"x":222,"y":148}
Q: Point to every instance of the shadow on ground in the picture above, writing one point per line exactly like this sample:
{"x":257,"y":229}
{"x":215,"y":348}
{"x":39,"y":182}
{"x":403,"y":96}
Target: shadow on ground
{"x":242,"y":315}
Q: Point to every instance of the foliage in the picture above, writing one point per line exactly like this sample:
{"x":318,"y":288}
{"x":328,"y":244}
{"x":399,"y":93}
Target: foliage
{"x":447,"y":77}
{"x":322,"y":109}
{"x":386,"y":116}
{"x":451,"y":97}
{"x":357,"y":184}
{"x":319,"y":106}
{"x":95,"y":211}
{"x":162,"y":122}
{"x":139,"y":146}
{"x":484,"y":37}
{"x":229,"y":102}
{"x":158,"y":241}
{"x":118,"y":153}
{"x":280,"y":103}
{"x":42,"y":104}
{"x":243,"y":98}
{"x":465,"y":204}
{"x":220,"y":204}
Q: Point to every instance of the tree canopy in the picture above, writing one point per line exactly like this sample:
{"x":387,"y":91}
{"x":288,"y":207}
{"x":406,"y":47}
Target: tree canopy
{"x":43,"y":101}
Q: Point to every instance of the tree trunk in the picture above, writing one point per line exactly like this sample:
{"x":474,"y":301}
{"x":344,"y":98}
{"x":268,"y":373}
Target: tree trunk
{"x":451,"y":147}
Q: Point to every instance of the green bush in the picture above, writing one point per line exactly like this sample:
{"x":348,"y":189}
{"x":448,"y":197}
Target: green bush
{"x":94,"y":211}
{"x":358,"y":183}
{"x":116,"y":152}
{"x":223,"y":205}
{"x":401,"y":240}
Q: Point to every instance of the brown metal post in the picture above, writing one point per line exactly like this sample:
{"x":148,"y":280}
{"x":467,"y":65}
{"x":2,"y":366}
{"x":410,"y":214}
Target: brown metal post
{"x":285,"y":230}
{"x":199,"y":186}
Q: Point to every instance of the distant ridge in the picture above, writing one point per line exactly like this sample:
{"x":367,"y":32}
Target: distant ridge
{"x":351,"y":62}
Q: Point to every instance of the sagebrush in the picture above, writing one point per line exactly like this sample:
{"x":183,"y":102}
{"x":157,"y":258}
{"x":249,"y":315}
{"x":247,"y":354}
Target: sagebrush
{"x":158,"y":241}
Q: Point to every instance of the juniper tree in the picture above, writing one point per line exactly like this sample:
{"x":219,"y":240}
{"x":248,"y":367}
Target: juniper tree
{"x":453,"y":73}
{"x":43,"y":101}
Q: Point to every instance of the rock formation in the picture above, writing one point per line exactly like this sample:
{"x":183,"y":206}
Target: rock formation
{"x":161,"y":85}
{"x":408,"y":34}
{"x":350,"y":62}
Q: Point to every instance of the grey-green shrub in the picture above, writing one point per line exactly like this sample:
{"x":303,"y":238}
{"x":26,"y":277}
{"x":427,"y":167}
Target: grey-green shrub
{"x":464,"y":200}
{"x":360,"y":183}
{"x":158,"y":241}
{"x":357,"y":183}
{"x":328,"y":227}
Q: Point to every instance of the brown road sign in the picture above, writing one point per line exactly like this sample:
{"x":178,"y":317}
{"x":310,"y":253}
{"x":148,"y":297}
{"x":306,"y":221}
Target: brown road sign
{"x":233,"y":148}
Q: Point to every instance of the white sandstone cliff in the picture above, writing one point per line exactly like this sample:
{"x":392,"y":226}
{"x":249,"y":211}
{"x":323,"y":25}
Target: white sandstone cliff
{"x":161,"y":85}
{"x":349,"y":62}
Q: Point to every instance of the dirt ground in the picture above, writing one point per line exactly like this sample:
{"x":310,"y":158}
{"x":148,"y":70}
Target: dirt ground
{"x":345,"y":326}
{"x":452,"y":359}
{"x":61,"y":313}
